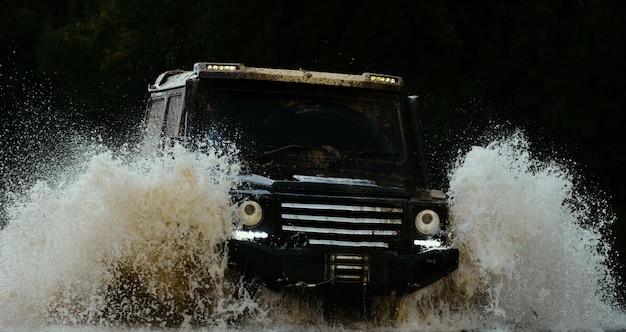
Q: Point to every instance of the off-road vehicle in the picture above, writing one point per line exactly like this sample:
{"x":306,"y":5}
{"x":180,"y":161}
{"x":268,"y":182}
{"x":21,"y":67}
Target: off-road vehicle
{"x":335,"y":195}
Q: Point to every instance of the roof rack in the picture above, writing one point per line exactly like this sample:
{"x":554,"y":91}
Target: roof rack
{"x":240,"y":71}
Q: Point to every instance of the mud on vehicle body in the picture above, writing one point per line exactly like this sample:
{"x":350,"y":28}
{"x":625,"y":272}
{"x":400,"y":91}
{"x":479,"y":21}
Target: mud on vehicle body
{"x":335,"y":194}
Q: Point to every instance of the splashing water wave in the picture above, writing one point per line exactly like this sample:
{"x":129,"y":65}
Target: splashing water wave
{"x":136,"y":239}
{"x":133,"y":239}
{"x":532,"y":252}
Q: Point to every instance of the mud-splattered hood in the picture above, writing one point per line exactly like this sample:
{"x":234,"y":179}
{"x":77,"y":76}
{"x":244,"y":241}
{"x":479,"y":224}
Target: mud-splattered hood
{"x":327,"y":185}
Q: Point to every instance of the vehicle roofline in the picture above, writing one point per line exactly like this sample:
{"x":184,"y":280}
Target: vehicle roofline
{"x":208,"y":70}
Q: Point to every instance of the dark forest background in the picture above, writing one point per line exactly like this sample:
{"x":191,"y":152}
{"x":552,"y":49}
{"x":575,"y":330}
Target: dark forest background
{"x":553,"y":68}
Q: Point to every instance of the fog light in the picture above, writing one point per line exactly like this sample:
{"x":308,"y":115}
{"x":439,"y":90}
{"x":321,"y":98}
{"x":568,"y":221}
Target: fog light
{"x":251,"y":213}
{"x":427,"y":222}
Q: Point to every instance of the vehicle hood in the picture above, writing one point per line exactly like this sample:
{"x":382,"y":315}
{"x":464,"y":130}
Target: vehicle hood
{"x":323,"y":185}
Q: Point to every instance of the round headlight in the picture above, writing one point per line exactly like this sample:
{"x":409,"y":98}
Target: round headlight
{"x":251,"y":213}
{"x":427,"y":222}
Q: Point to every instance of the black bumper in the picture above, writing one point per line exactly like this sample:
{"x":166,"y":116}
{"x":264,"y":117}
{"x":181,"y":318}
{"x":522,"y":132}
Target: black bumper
{"x":388,"y":272}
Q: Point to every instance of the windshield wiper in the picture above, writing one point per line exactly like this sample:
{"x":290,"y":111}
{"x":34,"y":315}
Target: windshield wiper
{"x":297,"y":147}
{"x":348,"y":155}
{"x":334,"y":156}
{"x":372,"y":153}
{"x":284,"y":148}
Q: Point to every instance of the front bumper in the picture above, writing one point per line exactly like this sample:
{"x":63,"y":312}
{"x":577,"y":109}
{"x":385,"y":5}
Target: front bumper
{"x":379,"y":273}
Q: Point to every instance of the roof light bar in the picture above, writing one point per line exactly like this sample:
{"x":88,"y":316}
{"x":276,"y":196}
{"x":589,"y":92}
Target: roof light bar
{"x":383,"y":79}
{"x":217,"y":67}
{"x":221,"y":67}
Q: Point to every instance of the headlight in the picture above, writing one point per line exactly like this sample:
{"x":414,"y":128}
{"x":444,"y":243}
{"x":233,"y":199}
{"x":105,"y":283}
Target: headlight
{"x":427,"y":222}
{"x":251,"y":213}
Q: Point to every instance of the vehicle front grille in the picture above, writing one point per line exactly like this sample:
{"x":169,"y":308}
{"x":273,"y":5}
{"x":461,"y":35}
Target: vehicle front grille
{"x":343,"y":225}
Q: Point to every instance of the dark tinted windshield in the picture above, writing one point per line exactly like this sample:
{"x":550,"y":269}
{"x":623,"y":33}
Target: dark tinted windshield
{"x":316,"y":124}
{"x":305,"y":129}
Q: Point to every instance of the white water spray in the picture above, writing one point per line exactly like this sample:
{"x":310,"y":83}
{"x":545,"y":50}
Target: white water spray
{"x":134,"y":239}
{"x":532,"y":252}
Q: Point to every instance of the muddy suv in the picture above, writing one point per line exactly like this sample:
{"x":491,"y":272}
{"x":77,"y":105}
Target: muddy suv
{"x":335,"y":193}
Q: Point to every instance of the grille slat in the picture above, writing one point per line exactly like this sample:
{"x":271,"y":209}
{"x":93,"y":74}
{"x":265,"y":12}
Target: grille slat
{"x":341,"y":231}
{"x":340,"y":207}
{"x":343,"y":225}
{"x":356,"y":220}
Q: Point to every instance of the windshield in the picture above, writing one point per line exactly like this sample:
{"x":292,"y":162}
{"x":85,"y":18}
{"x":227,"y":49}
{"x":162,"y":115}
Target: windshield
{"x":308,"y":130}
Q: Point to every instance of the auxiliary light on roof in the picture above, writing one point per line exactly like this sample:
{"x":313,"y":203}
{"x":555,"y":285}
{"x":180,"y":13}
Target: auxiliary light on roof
{"x":221,"y":67}
{"x":383,"y":79}
{"x":217,"y":67}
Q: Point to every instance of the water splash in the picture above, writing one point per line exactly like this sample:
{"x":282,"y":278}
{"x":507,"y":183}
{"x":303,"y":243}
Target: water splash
{"x":135,"y":238}
{"x":533,"y":251}
{"x":126,"y":238}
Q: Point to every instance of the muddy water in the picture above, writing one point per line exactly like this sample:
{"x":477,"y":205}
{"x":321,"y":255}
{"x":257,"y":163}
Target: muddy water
{"x":132,"y":239}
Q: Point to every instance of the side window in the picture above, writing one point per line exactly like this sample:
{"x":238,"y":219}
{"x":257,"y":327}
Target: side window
{"x":155,"y":116}
{"x":173,"y":117}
